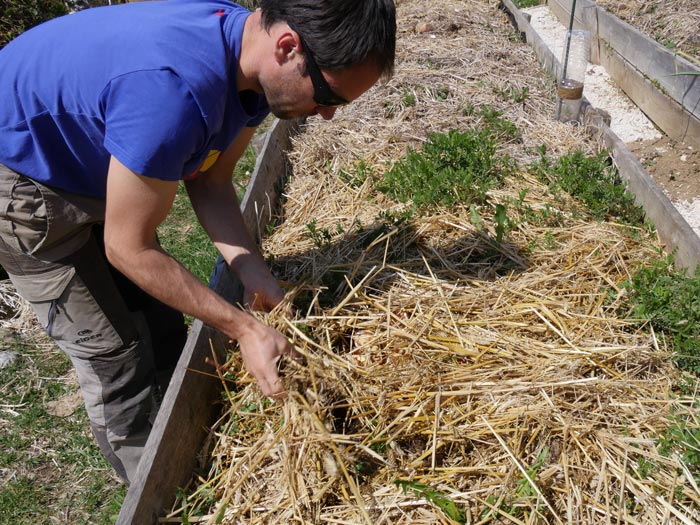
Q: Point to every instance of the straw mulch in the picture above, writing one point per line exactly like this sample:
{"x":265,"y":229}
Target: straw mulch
{"x":673,"y":23}
{"x":449,"y":378}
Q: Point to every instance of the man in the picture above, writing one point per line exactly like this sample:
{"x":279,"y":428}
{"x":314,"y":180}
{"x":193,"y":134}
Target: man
{"x":103,"y":113}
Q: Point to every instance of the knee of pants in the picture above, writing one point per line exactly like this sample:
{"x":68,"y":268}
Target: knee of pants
{"x":112,"y":357}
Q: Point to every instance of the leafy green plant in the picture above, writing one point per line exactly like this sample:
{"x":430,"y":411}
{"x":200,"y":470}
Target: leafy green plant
{"x":16,"y":16}
{"x":452,"y":168}
{"x":669,"y":300}
{"x":524,"y":485}
{"x":434,"y":496}
{"x":683,"y":438}
{"x":526,"y":3}
{"x":356,"y":175}
{"x":322,"y":238}
{"x":503,"y":223}
{"x":501,"y":129}
{"x":592,"y":180}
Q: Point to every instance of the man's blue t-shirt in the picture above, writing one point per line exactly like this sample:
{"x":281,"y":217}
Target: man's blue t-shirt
{"x":152,"y":83}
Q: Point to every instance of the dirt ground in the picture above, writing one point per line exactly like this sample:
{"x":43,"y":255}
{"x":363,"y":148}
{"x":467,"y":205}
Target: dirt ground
{"x":675,"y":166}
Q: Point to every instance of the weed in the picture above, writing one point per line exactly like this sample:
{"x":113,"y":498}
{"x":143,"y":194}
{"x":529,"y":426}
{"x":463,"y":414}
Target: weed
{"x":322,"y":238}
{"x":452,"y":168}
{"x":67,"y":471}
{"x":408,"y":99}
{"x":357,"y":174}
{"x":184,"y":238}
{"x":435,"y":497}
{"x":670,"y":301}
{"x":512,"y":93}
{"x":526,"y":3}
{"x":503,"y":223}
{"x":683,"y":438}
{"x":592,"y":180}
{"x":500,"y":128}
{"x":524,"y":485}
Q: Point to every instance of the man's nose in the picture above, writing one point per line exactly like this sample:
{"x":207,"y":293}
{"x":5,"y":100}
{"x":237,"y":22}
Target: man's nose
{"x":326,"y":112}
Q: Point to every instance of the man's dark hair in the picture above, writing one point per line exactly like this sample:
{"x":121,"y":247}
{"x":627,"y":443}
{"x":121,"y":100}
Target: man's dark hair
{"x":340,"y":33}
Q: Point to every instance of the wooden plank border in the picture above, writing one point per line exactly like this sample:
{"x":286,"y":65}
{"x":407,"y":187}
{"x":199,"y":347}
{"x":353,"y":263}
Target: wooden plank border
{"x":188,"y":409}
{"x":672,"y":228}
{"x":651,"y":75}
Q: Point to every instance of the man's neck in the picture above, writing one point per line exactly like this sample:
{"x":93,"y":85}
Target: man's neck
{"x":249,"y":60}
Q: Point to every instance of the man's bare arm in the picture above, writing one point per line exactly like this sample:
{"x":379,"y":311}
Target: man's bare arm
{"x":215,"y":202}
{"x":136,"y":205}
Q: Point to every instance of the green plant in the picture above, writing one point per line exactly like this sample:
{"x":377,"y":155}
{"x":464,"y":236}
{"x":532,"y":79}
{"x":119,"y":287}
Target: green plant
{"x":52,"y":464}
{"x":434,"y":496}
{"x":16,"y":16}
{"x":669,"y":300}
{"x":593,"y":181}
{"x":356,"y":175}
{"x":452,"y":168}
{"x":322,"y":238}
{"x":503,"y":223}
{"x":183,"y":237}
{"x":525,"y":485}
{"x":500,"y":128}
{"x":683,"y":438}
{"x":526,"y":3}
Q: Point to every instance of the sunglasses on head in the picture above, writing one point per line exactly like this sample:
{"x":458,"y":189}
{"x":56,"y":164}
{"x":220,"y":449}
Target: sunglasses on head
{"x":323,"y":94}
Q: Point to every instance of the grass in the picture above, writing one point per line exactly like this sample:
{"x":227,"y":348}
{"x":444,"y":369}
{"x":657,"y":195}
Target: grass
{"x":669,"y":300}
{"x":594,"y":181}
{"x":183,"y":237}
{"x":50,"y":466}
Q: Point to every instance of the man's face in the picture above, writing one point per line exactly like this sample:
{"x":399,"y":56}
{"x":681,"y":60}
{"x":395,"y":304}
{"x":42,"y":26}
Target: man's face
{"x":290,"y":94}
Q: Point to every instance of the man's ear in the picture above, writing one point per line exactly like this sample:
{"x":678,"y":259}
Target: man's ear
{"x":286,"y":45}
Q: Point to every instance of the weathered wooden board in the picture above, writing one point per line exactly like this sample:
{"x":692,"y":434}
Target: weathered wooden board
{"x":672,"y":228}
{"x":188,"y":409}
{"x":670,"y":97}
{"x":664,"y":111}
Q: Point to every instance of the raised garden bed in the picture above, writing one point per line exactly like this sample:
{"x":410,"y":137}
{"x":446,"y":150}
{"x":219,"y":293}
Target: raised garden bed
{"x":468,"y":360}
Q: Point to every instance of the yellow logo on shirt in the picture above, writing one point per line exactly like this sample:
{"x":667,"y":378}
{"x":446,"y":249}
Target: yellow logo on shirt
{"x":212,"y":157}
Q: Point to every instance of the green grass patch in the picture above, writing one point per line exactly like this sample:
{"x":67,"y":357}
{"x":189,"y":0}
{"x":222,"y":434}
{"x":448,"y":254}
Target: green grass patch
{"x":453,"y":168}
{"x":183,"y":237}
{"x":593,"y":181}
{"x":54,"y":471}
{"x":669,"y":300}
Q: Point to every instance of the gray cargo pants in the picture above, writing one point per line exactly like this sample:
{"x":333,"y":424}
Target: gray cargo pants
{"x":123,"y":343}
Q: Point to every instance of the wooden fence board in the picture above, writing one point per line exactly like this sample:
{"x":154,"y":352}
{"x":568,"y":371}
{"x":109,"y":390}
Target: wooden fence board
{"x":652,"y":60}
{"x":664,"y":111}
{"x":188,"y":409}
{"x":672,"y":228}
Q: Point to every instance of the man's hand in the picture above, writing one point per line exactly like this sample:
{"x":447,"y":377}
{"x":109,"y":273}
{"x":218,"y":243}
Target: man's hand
{"x":261,"y":291}
{"x":261,"y":349}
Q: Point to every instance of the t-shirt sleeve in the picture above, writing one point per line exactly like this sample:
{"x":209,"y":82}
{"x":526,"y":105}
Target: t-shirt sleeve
{"x":152,"y":123}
